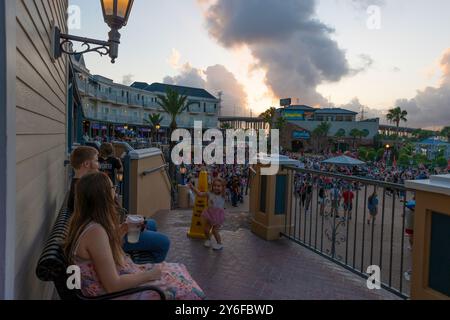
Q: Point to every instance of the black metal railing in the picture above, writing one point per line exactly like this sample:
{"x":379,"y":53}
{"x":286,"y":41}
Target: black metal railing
{"x":321,"y":220}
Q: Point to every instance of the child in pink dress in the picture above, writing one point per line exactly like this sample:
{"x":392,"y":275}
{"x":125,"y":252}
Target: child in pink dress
{"x":214,"y":215}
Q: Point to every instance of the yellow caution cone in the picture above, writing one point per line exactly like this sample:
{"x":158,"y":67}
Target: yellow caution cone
{"x":201,"y":204}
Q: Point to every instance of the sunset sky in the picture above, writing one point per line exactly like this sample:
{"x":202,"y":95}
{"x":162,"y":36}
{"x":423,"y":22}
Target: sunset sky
{"x":319,"y":52}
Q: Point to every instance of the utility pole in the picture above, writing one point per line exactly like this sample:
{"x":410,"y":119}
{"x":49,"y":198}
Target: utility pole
{"x":220,"y":94}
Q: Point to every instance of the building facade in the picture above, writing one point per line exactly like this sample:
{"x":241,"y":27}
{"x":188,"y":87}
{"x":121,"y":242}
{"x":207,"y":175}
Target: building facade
{"x":110,"y":108}
{"x":33,"y":134}
{"x":302,"y":121}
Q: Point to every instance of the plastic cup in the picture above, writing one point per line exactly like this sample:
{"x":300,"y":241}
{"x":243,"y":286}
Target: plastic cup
{"x":134,"y":228}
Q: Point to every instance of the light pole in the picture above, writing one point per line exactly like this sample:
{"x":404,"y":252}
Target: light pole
{"x":388,"y":155}
{"x":183,"y":172}
{"x":157,"y":127}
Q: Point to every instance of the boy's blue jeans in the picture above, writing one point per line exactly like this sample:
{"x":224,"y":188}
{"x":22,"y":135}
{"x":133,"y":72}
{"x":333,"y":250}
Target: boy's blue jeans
{"x":151,"y":241}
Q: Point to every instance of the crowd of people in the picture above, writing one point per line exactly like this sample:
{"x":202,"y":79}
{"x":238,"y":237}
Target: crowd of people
{"x":375,"y":170}
{"x":234,"y":177}
{"x":97,"y":240}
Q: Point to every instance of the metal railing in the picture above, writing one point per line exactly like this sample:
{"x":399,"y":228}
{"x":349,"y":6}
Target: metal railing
{"x":323,"y":221}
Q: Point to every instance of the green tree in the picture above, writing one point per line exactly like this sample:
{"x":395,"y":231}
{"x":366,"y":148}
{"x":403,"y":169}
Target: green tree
{"x":355,"y":134}
{"x":280,"y":123}
{"x":446,"y":133}
{"x":225,"y":126}
{"x":173,"y":104}
{"x":396,"y":116}
{"x":339,"y":135}
{"x":372,"y":155}
{"x":154,"y":120}
{"x":404,"y":160}
{"x":269,"y":116}
{"x":442,"y":162}
{"x":363,"y":153}
{"x":380,"y":153}
{"x":322,"y":131}
{"x":420,"y":159}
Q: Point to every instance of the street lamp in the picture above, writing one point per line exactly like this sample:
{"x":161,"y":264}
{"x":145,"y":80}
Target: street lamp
{"x":115,"y":14}
{"x":157,"y":127}
{"x":183,"y":172}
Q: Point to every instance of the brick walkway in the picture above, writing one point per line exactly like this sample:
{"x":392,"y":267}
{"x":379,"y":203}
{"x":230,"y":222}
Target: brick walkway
{"x":250,"y":268}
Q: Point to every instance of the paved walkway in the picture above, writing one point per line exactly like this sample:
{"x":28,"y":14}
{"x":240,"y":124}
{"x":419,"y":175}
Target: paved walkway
{"x":250,"y":268}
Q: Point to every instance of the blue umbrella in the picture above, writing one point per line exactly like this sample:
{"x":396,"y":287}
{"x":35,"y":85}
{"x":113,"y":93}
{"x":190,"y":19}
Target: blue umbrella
{"x":344,"y":161}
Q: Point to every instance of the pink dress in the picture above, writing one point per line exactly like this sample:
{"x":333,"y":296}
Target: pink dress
{"x":176,"y":282}
{"x":215,"y":214}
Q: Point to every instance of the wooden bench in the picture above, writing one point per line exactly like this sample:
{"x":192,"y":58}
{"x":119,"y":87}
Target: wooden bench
{"x":52,"y":265}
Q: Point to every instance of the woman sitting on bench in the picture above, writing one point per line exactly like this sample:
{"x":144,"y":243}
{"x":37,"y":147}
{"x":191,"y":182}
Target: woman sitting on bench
{"x":94,"y":243}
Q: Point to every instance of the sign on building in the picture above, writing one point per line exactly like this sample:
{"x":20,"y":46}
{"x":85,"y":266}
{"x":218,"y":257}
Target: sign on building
{"x":304,"y":135}
{"x":294,"y":115}
{"x":285,"y":102}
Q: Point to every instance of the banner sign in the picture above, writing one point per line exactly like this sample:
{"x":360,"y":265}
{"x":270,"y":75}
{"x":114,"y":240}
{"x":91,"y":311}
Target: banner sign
{"x":294,"y":115}
{"x":285,"y":102}
{"x":305,"y":135}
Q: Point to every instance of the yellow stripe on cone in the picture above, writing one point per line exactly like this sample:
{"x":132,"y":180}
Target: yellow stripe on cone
{"x":201,"y":204}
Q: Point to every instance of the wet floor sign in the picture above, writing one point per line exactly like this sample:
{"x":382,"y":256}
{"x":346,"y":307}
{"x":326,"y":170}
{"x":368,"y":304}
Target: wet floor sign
{"x":201,"y":204}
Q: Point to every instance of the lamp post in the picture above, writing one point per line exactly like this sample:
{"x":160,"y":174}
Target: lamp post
{"x":388,"y":155}
{"x":115,"y":14}
{"x":157,"y":127}
{"x":183,"y":172}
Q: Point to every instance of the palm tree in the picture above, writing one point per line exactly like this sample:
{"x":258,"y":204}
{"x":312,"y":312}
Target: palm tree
{"x":321,"y":132}
{"x":339,"y":135}
{"x":446,"y":133}
{"x":154,"y":120}
{"x":173,"y":104}
{"x":268,"y":116}
{"x":280,"y":123}
{"x":396,"y":116}
{"x":226,"y":126}
{"x":355,"y":134}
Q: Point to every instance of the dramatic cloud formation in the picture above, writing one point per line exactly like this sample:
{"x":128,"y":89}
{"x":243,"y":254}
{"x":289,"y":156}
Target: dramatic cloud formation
{"x":369,"y":113}
{"x":431,"y":106}
{"x":366,"y":63}
{"x":189,"y":77}
{"x":215,"y":79}
{"x":288,"y":41}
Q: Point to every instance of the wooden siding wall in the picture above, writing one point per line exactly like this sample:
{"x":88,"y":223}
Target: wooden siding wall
{"x":41,"y":99}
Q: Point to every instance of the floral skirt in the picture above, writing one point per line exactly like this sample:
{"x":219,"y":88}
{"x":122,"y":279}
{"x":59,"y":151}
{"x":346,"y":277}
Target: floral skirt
{"x":176,"y":282}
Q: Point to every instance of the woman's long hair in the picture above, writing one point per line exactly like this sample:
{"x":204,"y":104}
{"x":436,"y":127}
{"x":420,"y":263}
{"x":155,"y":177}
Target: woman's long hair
{"x":94,"y":203}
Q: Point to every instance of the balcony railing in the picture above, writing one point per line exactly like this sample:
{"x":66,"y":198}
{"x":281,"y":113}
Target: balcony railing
{"x":339,"y":230}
